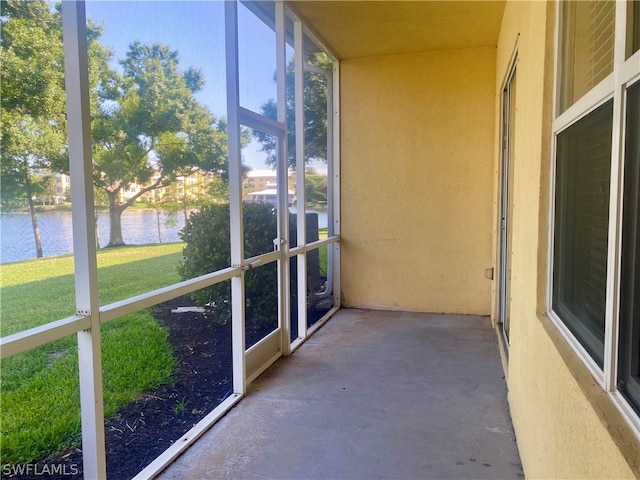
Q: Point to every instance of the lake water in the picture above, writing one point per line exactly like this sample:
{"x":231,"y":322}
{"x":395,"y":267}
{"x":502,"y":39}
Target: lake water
{"x":138,"y":227}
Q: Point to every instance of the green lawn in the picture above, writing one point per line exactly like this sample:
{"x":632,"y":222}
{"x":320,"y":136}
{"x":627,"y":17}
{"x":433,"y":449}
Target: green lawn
{"x":323,"y":251}
{"x":40,"y":406}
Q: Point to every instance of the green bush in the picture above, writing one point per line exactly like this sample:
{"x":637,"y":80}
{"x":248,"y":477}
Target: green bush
{"x":207,"y":249}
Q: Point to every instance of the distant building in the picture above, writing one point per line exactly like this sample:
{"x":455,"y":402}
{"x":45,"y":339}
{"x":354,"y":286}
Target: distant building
{"x":62,"y":188}
{"x":270,"y":196}
{"x":192,"y":187}
{"x":261,"y":186}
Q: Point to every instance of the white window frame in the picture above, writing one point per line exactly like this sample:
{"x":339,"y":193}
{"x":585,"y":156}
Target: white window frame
{"x":625,"y":73}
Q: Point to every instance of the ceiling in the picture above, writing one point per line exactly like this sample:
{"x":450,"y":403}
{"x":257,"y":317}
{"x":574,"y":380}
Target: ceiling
{"x":353,"y":28}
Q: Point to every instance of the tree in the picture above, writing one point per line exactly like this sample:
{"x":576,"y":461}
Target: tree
{"x":33,"y":127}
{"x":315,"y":114}
{"x":32,"y":99}
{"x":315,"y":188}
{"x":46,"y":188}
{"x":151,"y":129}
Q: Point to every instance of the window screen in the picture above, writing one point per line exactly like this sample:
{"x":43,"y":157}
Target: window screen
{"x":581,"y":225}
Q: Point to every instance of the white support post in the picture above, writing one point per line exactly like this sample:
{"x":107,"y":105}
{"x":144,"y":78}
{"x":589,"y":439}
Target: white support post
{"x":84,"y":240}
{"x":298,"y":58}
{"x":235,"y":198}
{"x":284,"y":290}
{"x":334,"y":181}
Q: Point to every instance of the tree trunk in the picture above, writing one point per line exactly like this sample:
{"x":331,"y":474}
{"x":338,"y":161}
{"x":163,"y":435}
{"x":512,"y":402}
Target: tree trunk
{"x":158,"y":223}
{"x":97,"y":232}
{"x":184,"y":197}
{"x":115,"y":224}
{"x":186,"y":214}
{"x":34,"y":218}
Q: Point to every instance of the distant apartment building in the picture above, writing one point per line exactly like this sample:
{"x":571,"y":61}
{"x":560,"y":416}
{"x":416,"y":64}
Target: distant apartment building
{"x":261,"y":186}
{"x":191,"y":187}
{"x":62,"y":188}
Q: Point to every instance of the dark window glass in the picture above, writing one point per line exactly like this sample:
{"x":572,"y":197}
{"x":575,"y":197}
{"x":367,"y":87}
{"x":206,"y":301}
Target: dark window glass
{"x":583,"y":167}
{"x":636,"y":25}
{"x":633,"y":27}
{"x":629,"y":359}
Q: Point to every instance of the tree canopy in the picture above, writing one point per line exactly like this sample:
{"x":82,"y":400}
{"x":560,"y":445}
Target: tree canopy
{"x":151,"y":128}
{"x":147,"y":125}
{"x":315,"y":114}
{"x":33,"y":127}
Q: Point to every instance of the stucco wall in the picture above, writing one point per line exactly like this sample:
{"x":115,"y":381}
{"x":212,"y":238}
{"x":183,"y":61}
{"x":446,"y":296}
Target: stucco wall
{"x":559,"y":412}
{"x":417,"y":158}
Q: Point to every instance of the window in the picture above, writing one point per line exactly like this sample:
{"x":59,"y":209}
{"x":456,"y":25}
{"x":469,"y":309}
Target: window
{"x":587,"y":29}
{"x":583,"y":170}
{"x":595,"y":263}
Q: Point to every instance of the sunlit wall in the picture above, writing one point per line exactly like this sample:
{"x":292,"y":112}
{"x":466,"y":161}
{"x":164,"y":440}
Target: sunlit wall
{"x":417,"y":150}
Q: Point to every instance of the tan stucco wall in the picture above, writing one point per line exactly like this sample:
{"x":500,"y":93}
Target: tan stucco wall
{"x":416,"y":180}
{"x":556,"y":406}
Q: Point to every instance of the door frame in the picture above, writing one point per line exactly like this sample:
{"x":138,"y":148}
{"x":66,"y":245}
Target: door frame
{"x":267,"y":350}
{"x":248,"y":364}
{"x":505,"y":204}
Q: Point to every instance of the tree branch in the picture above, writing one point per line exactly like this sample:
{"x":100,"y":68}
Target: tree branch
{"x":153,"y":186}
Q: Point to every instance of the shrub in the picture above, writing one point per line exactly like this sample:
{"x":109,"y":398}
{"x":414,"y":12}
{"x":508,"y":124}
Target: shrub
{"x":207,"y":249}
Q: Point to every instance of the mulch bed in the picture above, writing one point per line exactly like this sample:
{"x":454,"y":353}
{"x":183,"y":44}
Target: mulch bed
{"x":151,"y":423}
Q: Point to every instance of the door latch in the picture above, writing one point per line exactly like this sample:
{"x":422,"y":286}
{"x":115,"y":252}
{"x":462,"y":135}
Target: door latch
{"x":277,"y":243}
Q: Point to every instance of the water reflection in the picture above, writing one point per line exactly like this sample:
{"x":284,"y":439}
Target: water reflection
{"x":138,"y":227}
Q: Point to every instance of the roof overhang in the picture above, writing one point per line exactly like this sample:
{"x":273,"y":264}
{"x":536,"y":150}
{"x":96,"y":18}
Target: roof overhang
{"x":352,"y":29}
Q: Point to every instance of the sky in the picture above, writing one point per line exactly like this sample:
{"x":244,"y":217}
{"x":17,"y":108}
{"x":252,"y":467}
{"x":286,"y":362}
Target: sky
{"x":196,"y":30}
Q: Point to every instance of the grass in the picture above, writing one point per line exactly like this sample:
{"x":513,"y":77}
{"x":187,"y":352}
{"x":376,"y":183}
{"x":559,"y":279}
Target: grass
{"x":323,"y":251}
{"x":34,"y":292}
{"x":129,"y":271}
{"x":40,"y":406}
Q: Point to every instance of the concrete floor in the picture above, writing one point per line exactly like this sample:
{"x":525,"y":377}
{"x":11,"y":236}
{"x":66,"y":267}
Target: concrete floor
{"x":371,"y":395}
